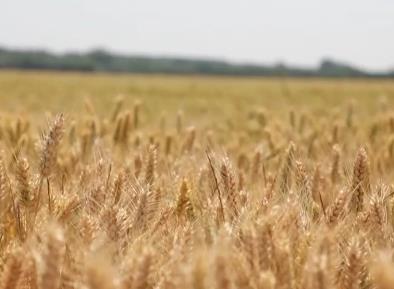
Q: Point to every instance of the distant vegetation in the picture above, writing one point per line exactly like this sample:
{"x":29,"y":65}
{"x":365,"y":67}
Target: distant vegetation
{"x":100,"y":60}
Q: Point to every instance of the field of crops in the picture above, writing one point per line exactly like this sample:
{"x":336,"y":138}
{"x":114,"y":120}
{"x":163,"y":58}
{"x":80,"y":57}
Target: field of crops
{"x":167,"y":182}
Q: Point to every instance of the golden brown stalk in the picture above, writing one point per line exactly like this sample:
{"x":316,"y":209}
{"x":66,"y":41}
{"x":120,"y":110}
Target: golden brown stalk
{"x":49,"y":149}
{"x":70,"y":209}
{"x":151,"y":165}
{"x":116,"y":221}
{"x":350,"y":115}
{"x":87,"y":229}
{"x":184,"y":205}
{"x":316,"y":188}
{"x":214,"y":179}
{"x":360,"y":182}
{"x":50,"y":145}
{"x":86,"y":144}
{"x":376,"y":215}
{"x":224,"y":173}
{"x":285,"y":172}
{"x":118,"y":188}
{"x":126,"y":126}
{"x":72,"y":134}
{"x":20,"y":221}
{"x":93,"y":129}
{"x":256,"y":165}
{"x":301,"y":176}
{"x":230,"y":188}
{"x":137,"y":166}
{"x":303,"y":186}
{"x":23,"y":182}
{"x":270,"y":187}
{"x":136,"y":114}
{"x":147,"y":207}
{"x":168,"y":145}
{"x":241,"y":181}
{"x":117,"y":137}
{"x":336,"y":211}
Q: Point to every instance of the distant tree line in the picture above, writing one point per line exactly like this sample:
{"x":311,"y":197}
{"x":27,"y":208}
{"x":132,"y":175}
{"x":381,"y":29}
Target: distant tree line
{"x":100,"y":60}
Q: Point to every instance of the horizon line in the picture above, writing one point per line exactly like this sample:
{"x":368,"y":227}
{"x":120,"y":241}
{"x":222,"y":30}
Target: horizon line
{"x":192,"y":57}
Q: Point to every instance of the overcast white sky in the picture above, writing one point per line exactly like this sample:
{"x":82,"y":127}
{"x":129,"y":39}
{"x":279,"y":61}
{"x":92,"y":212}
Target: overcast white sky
{"x":297,"y":32}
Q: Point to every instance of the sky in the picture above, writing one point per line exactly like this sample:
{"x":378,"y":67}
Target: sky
{"x":296,"y":32}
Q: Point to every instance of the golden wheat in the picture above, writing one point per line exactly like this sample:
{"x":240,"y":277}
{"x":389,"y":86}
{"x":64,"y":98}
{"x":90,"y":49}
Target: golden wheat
{"x":258,"y":200}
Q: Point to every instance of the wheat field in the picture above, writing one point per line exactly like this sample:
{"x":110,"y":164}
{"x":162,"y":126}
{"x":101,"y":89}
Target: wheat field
{"x":133,"y":182}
